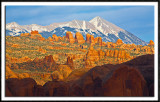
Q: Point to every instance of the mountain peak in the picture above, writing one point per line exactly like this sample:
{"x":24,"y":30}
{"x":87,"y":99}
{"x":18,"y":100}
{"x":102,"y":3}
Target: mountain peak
{"x":13,"y":23}
{"x":97,"y":18}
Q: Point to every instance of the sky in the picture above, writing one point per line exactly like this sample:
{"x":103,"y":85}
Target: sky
{"x":138,"y":20}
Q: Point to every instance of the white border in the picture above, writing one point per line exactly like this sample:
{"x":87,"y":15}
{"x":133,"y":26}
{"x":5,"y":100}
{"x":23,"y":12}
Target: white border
{"x":155,"y":4}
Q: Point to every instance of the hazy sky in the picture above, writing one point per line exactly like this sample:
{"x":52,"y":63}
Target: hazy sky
{"x":138,"y":20}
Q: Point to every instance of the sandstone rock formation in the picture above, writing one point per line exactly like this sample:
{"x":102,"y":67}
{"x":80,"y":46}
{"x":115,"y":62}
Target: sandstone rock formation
{"x":79,"y":38}
{"x":83,"y":46}
{"x":56,"y":88}
{"x":99,"y":41}
{"x":19,"y":60}
{"x":145,"y":64}
{"x":70,"y":62}
{"x":25,"y":34}
{"x":96,"y":40}
{"x":55,"y":38}
{"x":151,"y":42}
{"x":119,"y":41}
{"x":36,"y":35}
{"x":41,"y":50}
{"x":101,"y":54}
{"x":92,"y":40}
{"x":10,"y":73}
{"x":64,"y":70}
{"x":125,"y":81}
{"x":49,"y":39}
{"x":88,"y":36}
{"x":132,"y":78}
{"x":34,"y":32}
{"x":23,"y":87}
{"x":91,"y":56}
{"x":15,"y":45}
{"x":69,"y":37}
{"x":117,"y":53}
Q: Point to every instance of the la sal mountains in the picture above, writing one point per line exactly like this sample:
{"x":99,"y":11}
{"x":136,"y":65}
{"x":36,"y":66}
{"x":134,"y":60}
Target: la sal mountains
{"x":98,"y":27}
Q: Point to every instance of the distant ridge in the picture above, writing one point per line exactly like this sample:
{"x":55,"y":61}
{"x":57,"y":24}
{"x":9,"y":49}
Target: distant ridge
{"x":97,"y":27}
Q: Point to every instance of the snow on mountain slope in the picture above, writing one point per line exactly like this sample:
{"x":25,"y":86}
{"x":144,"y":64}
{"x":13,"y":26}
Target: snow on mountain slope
{"x":105,"y":27}
{"x":98,"y":27}
{"x":74,"y":24}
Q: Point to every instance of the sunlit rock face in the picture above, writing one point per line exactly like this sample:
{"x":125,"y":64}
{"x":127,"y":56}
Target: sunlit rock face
{"x":79,"y":38}
{"x":69,"y":37}
{"x":151,"y":42}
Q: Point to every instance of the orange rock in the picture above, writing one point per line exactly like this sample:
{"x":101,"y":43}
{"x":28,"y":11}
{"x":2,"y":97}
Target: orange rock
{"x":19,"y":60}
{"x":69,"y":37}
{"x":88,"y":36}
{"x":119,"y":41}
{"x":113,"y":45}
{"x":100,"y":41}
{"x":57,"y":76}
{"x":109,"y":44}
{"x":55,"y":38}
{"x":34,"y":32}
{"x":107,"y":53}
{"x":101,"y":54}
{"x":10,"y":73}
{"x":36,"y":35}
{"x":60,"y":38}
{"x":104,"y":44}
{"x":64,"y":70}
{"x":42,"y":50}
{"x":96,"y":40}
{"x":15,"y":45}
{"x":92,"y":40}
{"x":41,"y":38}
{"x":79,"y":38}
{"x":83,"y":46}
{"x":50,"y":39}
{"x":70,"y":62}
{"x":116,"y":53}
{"x":24,"y":34}
{"x":91,"y":56}
{"x":151,"y":42}
{"x":111,"y":53}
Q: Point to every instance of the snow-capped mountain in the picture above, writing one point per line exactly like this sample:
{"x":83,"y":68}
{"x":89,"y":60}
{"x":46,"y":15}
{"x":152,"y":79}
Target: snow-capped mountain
{"x":98,"y":27}
{"x":104,"y":26}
